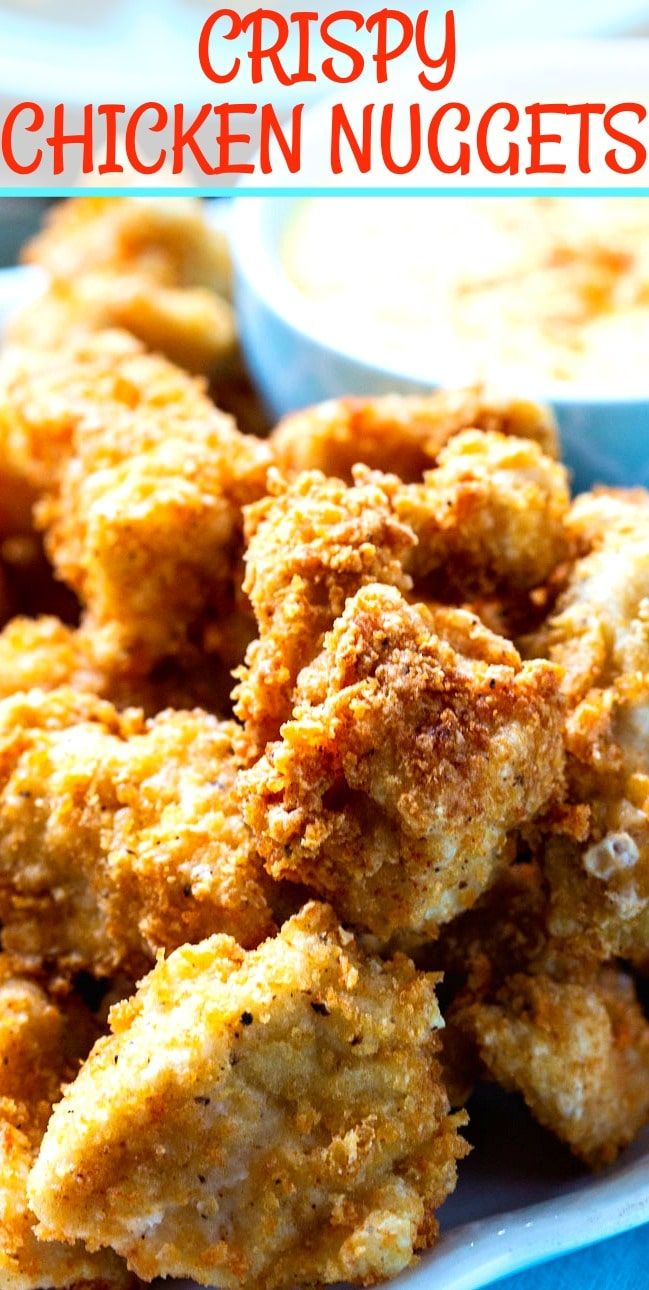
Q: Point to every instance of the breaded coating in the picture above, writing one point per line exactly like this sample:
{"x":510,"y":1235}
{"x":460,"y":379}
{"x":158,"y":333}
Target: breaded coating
{"x":309,"y":547}
{"x":119,"y":836}
{"x":44,"y":653}
{"x":41,"y":1044}
{"x":47,"y":399}
{"x":405,"y":767}
{"x":265,"y":1120}
{"x":168,"y":240}
{"x":490,"y":516}
{"x":598,"y":628}
{"x":599,"y":633}
{"x":400,"y":434}
{"x":143,"y":482}
{"x":153,"y":267}
{"x":578,"y":1053}
{"x":544,"y":1018}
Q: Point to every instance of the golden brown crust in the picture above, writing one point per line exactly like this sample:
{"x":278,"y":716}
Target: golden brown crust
{"x":143,"y":481}
{"x":405,"y":766}
{"x":155,"y":268}
{"x":490,"y":516}
{"x":310,"y":546}
{"x":401,"y":434}
{"x":120,"y":836}
{"x":269,"y":1119}
{"x":598,"y":862}
{"x":44,"y":653}
{"x":579,"y":1054}
{"x":41,"y":1043}
{"x":543,"y":1017}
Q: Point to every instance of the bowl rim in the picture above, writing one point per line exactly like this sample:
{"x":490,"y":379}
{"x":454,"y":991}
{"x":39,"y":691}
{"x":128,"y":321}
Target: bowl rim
{"x":258,"y":269}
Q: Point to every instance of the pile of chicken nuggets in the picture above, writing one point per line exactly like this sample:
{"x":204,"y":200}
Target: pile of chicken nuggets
{"x":324,"y":790}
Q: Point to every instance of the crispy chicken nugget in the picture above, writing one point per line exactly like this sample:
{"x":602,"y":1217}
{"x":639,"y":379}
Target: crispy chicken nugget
{"x":44,"y":653}
{"x":48,"y":400}
{"x":119,"y":836}
{"x":143,"y":481}
{"x":191,"y":326}
{"x":578,"y":1052}
{"x":156,"y":268}
{"x":310,"y":547}
{"x":544,"y":1018}
{"x":405,"y":766}
{"x":41,"y":1044}
{"x":599,"y":633}
{"x":402,"y":434}
{"x":264,"y":1119}
{"x":490,"y":516}
{"x":169,"y":240}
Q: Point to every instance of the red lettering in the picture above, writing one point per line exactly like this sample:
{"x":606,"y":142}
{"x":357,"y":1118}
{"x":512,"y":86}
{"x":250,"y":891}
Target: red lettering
{"x":226,"y":139}
{"x":59,"y":140}
{"x":185,"y":137}
{"x":291,"y":149}
{"x":258,"y":52}
{"x":620,"y":136}
{"x":341,"y":47}
{"x":161,"y":119}
{"x":362,"y":152}
{"x":302,"y":19}
{"x":386,"y":140}
{"x":385,"y":54}
{"x":510,"y":164}
{"x":537,"y":139}
{"x":446,"y":61}
{"x":461,"y":166}
{"x":36,"y":123}
{"x":205,"y":45}
{"x":110,"y":165}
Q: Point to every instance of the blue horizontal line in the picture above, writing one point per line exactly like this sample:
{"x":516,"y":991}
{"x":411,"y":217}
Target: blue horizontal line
{"x":332,"y":191}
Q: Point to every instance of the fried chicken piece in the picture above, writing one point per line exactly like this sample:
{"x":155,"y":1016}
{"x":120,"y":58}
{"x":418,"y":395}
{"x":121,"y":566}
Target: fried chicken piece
{"x":400,"y":434}
{"x":309,"y":547}
{"x":46,"y":399}
{"x":543,"y":1017}
{"x":598,"y":629}
{"x":44,"y":653}
{"x":41,"y":1043}
{"x":599,"y":634}
{"x":264,"y":1119}
{"x":156,"y":268}
{"x":578,"y":1053}
{"x":405,"y":767}
{"x":143,"y":482}
{"x":119,"y":836}
{"x":490,"y":515}
{"x":190,"y":326}
{"x":169,"y":240}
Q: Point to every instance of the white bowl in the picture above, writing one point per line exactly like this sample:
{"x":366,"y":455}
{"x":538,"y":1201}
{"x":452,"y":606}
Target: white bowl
{"x":295,"y":363}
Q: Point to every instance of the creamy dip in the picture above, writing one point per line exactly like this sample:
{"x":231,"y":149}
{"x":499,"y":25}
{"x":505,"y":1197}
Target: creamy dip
{"x":518,"y":290}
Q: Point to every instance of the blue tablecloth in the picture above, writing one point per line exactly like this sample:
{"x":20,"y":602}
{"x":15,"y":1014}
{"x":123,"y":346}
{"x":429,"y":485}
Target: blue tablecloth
{"x":621,"y":1263}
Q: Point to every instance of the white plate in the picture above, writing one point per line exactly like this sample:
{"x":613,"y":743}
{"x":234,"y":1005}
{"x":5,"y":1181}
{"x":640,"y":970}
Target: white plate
{"x":521,"y":1197}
